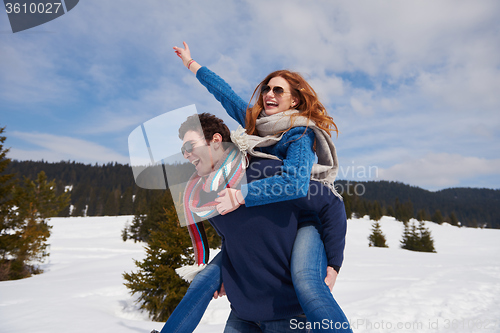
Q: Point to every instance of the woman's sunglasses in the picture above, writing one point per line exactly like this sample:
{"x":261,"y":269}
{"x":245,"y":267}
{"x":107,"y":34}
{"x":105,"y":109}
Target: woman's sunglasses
{"x":277,"y":90}
{"x":189,"y":146}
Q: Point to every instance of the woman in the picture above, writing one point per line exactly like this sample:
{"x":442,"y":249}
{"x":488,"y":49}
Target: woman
{"x":271,"y":116}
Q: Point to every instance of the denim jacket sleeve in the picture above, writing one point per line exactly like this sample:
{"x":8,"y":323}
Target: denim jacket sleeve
{"x":234,"y":105}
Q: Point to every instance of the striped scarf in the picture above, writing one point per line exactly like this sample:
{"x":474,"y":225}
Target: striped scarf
{"x":228,"y":173}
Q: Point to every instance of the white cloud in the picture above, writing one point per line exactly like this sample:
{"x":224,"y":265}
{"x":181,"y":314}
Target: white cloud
{"x":54,"y":148}
{"x":361,"y":108}
{"x":440,"y":170}
{"x":465,"y":87}
{"x":328,"y":87}
{"x":450,"y":47}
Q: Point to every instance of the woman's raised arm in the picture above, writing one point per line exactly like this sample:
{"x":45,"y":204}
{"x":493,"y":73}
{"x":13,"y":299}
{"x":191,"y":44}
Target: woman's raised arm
{"x":234,"y":105}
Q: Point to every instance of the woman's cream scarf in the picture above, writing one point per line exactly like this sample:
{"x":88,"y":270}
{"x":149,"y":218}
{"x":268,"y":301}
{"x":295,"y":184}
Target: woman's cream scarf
{"x":324,"y":171}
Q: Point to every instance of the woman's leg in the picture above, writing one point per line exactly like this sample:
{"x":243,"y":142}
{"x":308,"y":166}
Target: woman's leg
{"x":190,"y":310}
{"x":308,"y":274}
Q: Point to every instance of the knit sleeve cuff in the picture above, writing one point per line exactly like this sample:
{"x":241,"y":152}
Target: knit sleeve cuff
{"x":244,"y":192}
{"x":336,"y":268}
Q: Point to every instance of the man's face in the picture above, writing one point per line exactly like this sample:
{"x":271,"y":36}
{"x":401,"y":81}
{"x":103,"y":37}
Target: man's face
{"x":201,"y":155}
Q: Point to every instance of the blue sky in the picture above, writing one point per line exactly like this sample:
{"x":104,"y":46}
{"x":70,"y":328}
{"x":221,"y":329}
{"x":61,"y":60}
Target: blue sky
{"x":414,"y":86}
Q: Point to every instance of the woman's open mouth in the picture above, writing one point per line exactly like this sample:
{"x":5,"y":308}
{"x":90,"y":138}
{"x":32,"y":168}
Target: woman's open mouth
{"x":271,"y":104}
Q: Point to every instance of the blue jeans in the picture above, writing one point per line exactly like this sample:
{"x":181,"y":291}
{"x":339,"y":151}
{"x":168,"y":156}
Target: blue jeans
{"x":308,"y":268}
{"x":291,"y":325}
{"x":190,"y":310}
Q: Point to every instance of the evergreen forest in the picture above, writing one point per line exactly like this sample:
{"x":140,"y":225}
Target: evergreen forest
{"x":110,"y":189}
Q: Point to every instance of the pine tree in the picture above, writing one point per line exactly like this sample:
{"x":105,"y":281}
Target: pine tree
{"x":126,"y":202}
{"x":60,"y":190}
{"x":100,"y":200}
{"x":347,"y":204}
{"x":36,"y":201}
{"x":403,"y":212}
{"x":159,"y":288}
{"x":360,"y":207}
{"x":112,"y":205}
{"x":169,"y":246}
{"x":149,"y":214}
{"x":140,"y":201}
{"x":389,"y":211}
{"x":410,"y":237}
{"x":92,"y":202}
{"x":79,"y":207}
{"x":438,"y":217}
{"x":375,"y":211}
{"x":426,"y":241}
{"x":397,"y":210}
{"x":7,"y":182}
{"x":417,"y":238}
{"x":377,"y":238}
{"x":408,"y":210}
{"x":453,"y":219}
{"x":422,"y":215}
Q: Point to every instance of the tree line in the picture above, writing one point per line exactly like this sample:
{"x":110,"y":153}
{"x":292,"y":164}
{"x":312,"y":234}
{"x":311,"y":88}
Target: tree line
{"x":471,"y":207}
{"x":110,"y":189}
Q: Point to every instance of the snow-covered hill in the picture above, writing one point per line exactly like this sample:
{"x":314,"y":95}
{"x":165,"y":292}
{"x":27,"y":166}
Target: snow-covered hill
{"x":380,"y":290}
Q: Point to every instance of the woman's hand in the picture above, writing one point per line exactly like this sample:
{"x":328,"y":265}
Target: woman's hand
{"x":229,"y":200}
{"x":183,"y":53}
{"x":221,"y":292}
{"x":331,"y":277}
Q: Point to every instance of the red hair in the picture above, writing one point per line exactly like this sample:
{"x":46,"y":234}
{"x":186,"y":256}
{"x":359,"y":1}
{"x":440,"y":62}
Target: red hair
{"x":308,"y":103}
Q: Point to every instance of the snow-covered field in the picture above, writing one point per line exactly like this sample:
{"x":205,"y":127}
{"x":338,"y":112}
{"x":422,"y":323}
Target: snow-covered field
{"x":380,"y":290}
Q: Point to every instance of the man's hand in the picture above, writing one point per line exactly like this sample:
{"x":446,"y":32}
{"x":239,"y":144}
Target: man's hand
{"x":221,"y":292}
{"x":331,"y":277}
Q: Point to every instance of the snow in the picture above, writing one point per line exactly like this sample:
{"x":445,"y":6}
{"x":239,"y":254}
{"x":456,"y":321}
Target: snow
{"x":456,"y":289}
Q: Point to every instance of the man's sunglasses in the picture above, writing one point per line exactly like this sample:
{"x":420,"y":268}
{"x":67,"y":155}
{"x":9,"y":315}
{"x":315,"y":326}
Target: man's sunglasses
{"x":188,"y":146}
{"x":277,"y":90}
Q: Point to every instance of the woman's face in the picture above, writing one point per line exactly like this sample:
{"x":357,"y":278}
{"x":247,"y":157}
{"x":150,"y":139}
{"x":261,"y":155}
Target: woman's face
{"x":200,"y":155}
{"x":273,"y":101}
